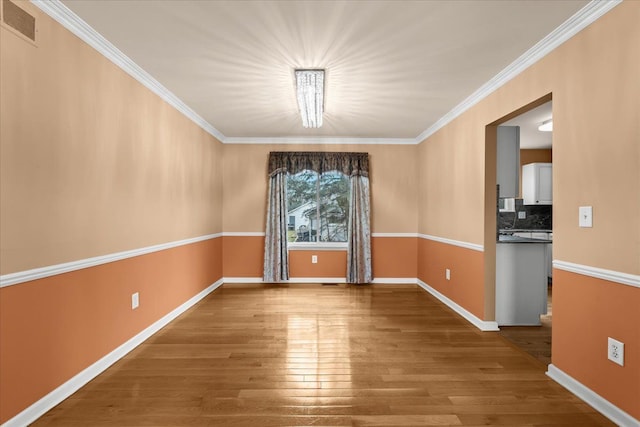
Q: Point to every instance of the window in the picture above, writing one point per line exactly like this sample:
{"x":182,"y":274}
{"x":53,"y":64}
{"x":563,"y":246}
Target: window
{"x":318,"y":207}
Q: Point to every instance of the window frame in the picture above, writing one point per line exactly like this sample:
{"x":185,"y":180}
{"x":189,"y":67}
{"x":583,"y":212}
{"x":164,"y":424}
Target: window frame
{"x":320,"y":246}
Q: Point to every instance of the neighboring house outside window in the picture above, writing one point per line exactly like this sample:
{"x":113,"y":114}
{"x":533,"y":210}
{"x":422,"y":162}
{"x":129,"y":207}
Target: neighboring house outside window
{"x":318,"y":207}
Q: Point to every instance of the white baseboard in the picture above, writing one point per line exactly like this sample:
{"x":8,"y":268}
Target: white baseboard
{"x":293,"y":280}
{"x":483,"y":325}
{"x":598,"y":402}
{"x":396,"y":280}
{"x":43,"y":405}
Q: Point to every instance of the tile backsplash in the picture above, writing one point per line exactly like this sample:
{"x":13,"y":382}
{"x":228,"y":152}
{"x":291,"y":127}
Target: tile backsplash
{"x":538,"y":217}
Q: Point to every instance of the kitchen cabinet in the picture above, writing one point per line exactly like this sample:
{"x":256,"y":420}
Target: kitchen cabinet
{"x":521,"y":283}
{"x":508,"y":160}
{"x":537,"y":185}
{"x":542,"y":235}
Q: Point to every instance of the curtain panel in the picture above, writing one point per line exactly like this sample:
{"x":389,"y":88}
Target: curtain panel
{"x":276,"y":256}
{"x":353,"y":165}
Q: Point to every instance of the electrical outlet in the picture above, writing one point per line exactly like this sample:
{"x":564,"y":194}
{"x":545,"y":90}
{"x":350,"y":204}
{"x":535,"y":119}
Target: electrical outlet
{"x":616,"y":351}
{"x":447,"y":274}
{"x":522,"y":214}
{"x":314,"y":259}
{"x":135,"y":300}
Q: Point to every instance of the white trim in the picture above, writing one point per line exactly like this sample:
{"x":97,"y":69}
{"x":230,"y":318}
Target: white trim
{"x":56,"y":396}
{"x":467,"y":245}
{"x":243,"y":234}
{"x":230,"y":280}
{"x":414,"y":235}
{"x":596,"y":401}
{"x":305,"y":140}
{"x":52,"y":270}
{"x":395,"y":281}
{"x":580,"y":20}
{"x":483,"y":325}
{"x":599,"y":273}
{"x":317,"y":246}
{"x":294,"y":280}
{"x":58,"y":11}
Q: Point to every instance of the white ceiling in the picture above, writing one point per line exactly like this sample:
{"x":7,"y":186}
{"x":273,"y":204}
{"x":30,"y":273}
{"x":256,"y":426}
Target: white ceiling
{"x":394,"y":68}
{"x":530,"y":136}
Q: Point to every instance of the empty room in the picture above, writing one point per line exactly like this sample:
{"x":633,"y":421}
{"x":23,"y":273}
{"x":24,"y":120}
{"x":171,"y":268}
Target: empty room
{"x":329,"y":213}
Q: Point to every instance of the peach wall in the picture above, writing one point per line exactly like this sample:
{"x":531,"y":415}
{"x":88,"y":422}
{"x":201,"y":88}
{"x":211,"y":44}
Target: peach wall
{"x":466,"y":286}
{"x":93,"y":162}
{"x":582,"y":321}
{"x":53,"y":328}
{"x":330,"y":264}
{"x":393,"y":257}
{"x":243,"y":256}
{"x":596,"y":103}
{"x":393,"y":185}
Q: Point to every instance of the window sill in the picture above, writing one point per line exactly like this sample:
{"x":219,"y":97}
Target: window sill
{"x":324,"y":246}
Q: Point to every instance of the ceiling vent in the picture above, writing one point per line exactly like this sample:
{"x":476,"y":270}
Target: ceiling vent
{"x":19,"y":20}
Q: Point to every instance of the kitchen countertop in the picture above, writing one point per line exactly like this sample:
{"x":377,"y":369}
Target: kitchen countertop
{"x":516,"y":239}
{"x":523,"y":230}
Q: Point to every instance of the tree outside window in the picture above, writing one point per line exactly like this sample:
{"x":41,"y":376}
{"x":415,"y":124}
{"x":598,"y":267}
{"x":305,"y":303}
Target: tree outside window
{"x":318,"y":207}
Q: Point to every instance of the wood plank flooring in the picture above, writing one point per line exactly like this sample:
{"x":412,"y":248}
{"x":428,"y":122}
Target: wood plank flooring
{"x":300,"y":355}
{"x":535,"y":340}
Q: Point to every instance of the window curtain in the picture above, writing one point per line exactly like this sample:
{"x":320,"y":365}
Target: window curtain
{"x":276,"y":257}
{"x":358,"y":231}
{"x":353,"y":165}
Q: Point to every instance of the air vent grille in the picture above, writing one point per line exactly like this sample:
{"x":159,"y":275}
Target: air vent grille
{"x":18,"y":19}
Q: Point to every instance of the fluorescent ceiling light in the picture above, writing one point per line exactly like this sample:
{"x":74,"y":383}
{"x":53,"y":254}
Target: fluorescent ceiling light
{"x":546,"y":126}
{"x":310,"y":92}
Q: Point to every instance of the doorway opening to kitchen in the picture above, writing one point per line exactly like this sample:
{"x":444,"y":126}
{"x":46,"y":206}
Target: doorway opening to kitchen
{"x":524,"y":237}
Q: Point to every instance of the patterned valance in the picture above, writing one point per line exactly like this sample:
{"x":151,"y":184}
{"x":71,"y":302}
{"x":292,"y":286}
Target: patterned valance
{"x":318,"y":161}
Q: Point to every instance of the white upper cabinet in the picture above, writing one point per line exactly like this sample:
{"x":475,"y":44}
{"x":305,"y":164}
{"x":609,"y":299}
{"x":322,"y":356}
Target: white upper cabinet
{"x":508,"y":160}
{"x":537,"y":185}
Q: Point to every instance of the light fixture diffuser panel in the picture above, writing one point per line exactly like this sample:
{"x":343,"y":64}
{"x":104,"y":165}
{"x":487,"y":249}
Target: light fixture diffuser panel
{"x":310,"y":94}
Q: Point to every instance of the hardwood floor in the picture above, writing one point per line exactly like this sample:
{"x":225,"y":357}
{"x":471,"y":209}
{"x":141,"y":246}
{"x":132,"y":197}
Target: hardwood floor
{"x":266,"y":355}
{"x":535,"y":340}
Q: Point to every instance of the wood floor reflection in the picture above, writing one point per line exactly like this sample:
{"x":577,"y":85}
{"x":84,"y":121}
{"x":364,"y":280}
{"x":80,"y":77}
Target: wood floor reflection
{"x":267,"y":355}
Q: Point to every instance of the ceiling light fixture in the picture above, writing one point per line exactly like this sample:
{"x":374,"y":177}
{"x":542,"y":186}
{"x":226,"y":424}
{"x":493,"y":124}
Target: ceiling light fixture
{"x":546,"y":126}
{"x":310,"y":93}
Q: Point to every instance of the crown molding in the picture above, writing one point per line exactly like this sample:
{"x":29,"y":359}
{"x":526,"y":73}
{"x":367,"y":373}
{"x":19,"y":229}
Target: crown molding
{"x":584,"y":17}
{"x":320,"y":140}
{"x":72,"y":22}
{"x":580,"y":20}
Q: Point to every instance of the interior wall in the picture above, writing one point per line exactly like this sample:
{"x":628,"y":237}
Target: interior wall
{"x":596,"y":161}
{"x":393,"y":169}
{"x":92,"y":163}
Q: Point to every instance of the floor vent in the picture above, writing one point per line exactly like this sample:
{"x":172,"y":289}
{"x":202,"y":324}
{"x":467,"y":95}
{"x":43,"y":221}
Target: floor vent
{"x":19,"y":20}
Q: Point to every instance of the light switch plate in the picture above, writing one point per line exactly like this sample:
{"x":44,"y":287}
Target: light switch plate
{"x":585,"y":216}
{"x":135,"y":300}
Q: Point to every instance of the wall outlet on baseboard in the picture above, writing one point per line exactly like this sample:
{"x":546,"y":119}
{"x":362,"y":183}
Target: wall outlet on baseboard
{"x":314,"y":259}
{"x":135,"y":300}
{"x":447,"y":274}
{"x":615,"y":351}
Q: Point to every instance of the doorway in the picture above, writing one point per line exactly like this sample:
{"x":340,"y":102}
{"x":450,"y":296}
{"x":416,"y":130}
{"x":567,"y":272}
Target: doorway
{"x":523,"y":220}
